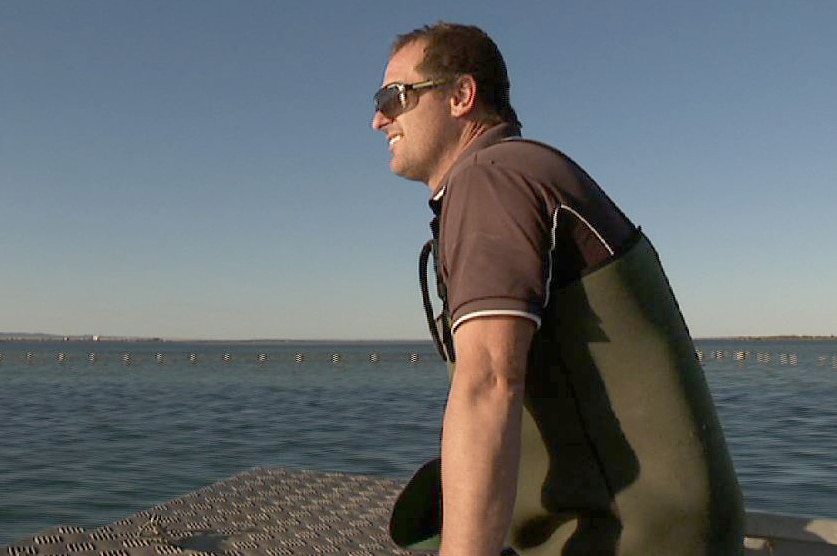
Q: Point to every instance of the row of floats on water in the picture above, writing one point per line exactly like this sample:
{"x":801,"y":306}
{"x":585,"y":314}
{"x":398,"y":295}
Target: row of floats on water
{"x":742,"y":357}
{"x":127,"y":358}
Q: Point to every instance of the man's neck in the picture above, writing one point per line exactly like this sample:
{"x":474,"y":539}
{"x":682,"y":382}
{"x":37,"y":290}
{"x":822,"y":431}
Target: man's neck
{"x":470,"y":132}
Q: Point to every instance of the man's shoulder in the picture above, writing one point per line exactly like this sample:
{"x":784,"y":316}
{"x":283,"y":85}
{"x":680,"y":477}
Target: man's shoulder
{"x":518,"y":155}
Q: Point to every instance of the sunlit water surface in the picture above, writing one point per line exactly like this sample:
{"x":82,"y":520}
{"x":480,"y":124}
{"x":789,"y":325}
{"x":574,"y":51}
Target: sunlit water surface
{"x":86,"y":440}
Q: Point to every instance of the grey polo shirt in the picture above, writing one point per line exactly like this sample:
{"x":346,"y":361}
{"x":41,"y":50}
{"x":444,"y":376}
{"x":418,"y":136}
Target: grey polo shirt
{"x":518,"y":219}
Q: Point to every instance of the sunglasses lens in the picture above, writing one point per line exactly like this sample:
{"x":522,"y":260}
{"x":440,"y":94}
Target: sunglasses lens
{"x":387,"y":102}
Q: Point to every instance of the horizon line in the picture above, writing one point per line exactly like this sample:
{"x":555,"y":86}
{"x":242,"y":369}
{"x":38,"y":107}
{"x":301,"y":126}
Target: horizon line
{"x":22,"y":336}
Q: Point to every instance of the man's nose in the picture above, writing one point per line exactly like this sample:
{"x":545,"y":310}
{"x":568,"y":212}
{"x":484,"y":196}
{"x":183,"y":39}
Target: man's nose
{"x":379,"y":121}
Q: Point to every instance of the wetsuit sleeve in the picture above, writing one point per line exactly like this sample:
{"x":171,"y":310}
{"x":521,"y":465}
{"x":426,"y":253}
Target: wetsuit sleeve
{"x":495,"y":238}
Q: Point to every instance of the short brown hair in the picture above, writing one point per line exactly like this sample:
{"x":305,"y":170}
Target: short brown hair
{"x":452,"y":50}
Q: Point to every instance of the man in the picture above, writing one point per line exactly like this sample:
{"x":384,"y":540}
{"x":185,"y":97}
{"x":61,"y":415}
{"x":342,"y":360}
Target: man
{"x":578,"y":419}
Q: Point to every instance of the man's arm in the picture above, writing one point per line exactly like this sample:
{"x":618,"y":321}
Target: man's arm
{"x":481,"y":434}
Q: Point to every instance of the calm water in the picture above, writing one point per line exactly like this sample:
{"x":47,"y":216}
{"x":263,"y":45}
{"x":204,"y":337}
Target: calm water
{"x":88,"y":442}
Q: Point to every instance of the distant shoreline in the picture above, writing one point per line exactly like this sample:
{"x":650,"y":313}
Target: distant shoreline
{"x":7,"y":337}
{"x":777,"y":338}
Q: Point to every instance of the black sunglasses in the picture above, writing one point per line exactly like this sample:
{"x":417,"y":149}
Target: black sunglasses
{"x":394,"y":99}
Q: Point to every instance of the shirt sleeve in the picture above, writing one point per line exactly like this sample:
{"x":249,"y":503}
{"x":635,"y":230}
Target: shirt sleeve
{"x":496,"y":238}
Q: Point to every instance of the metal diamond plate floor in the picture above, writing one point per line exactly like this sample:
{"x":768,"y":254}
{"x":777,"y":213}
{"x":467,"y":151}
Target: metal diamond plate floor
{"x":269,"y":511}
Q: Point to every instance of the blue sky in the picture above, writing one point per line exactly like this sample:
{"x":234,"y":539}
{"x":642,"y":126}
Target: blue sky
{"x":204,"y":169}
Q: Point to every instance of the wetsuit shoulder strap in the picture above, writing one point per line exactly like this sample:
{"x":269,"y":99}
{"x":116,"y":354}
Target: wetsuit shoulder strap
{"x":439,"y":326}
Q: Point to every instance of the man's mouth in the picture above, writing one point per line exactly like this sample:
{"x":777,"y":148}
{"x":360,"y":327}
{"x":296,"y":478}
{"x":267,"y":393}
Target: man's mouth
{"x":394,"y":139}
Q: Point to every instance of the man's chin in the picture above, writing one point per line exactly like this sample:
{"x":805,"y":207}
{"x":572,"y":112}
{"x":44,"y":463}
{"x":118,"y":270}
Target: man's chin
{"x":406,"y":172}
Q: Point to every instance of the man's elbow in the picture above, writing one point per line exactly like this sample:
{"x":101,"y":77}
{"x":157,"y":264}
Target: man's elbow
{"x":495,"y":388}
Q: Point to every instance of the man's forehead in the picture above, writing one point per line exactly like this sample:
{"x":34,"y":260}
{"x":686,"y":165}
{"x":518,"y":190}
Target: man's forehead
{"x":402,"y":65}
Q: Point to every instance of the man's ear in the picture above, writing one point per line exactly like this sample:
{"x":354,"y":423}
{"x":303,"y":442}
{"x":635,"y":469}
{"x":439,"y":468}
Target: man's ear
{"x":463,"y":99}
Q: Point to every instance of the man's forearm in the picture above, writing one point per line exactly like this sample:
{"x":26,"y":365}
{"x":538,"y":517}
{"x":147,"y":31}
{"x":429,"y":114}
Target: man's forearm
{"x":480,"y":458}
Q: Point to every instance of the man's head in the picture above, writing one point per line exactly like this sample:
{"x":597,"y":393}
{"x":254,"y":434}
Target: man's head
{"x":443,"y":83}
{"x":452,"y":50}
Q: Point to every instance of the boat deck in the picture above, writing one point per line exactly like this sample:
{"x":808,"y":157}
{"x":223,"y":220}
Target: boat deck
{"x":280,"y":512}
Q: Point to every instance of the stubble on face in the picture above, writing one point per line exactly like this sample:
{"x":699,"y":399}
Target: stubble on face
{"x":418,"y":138}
